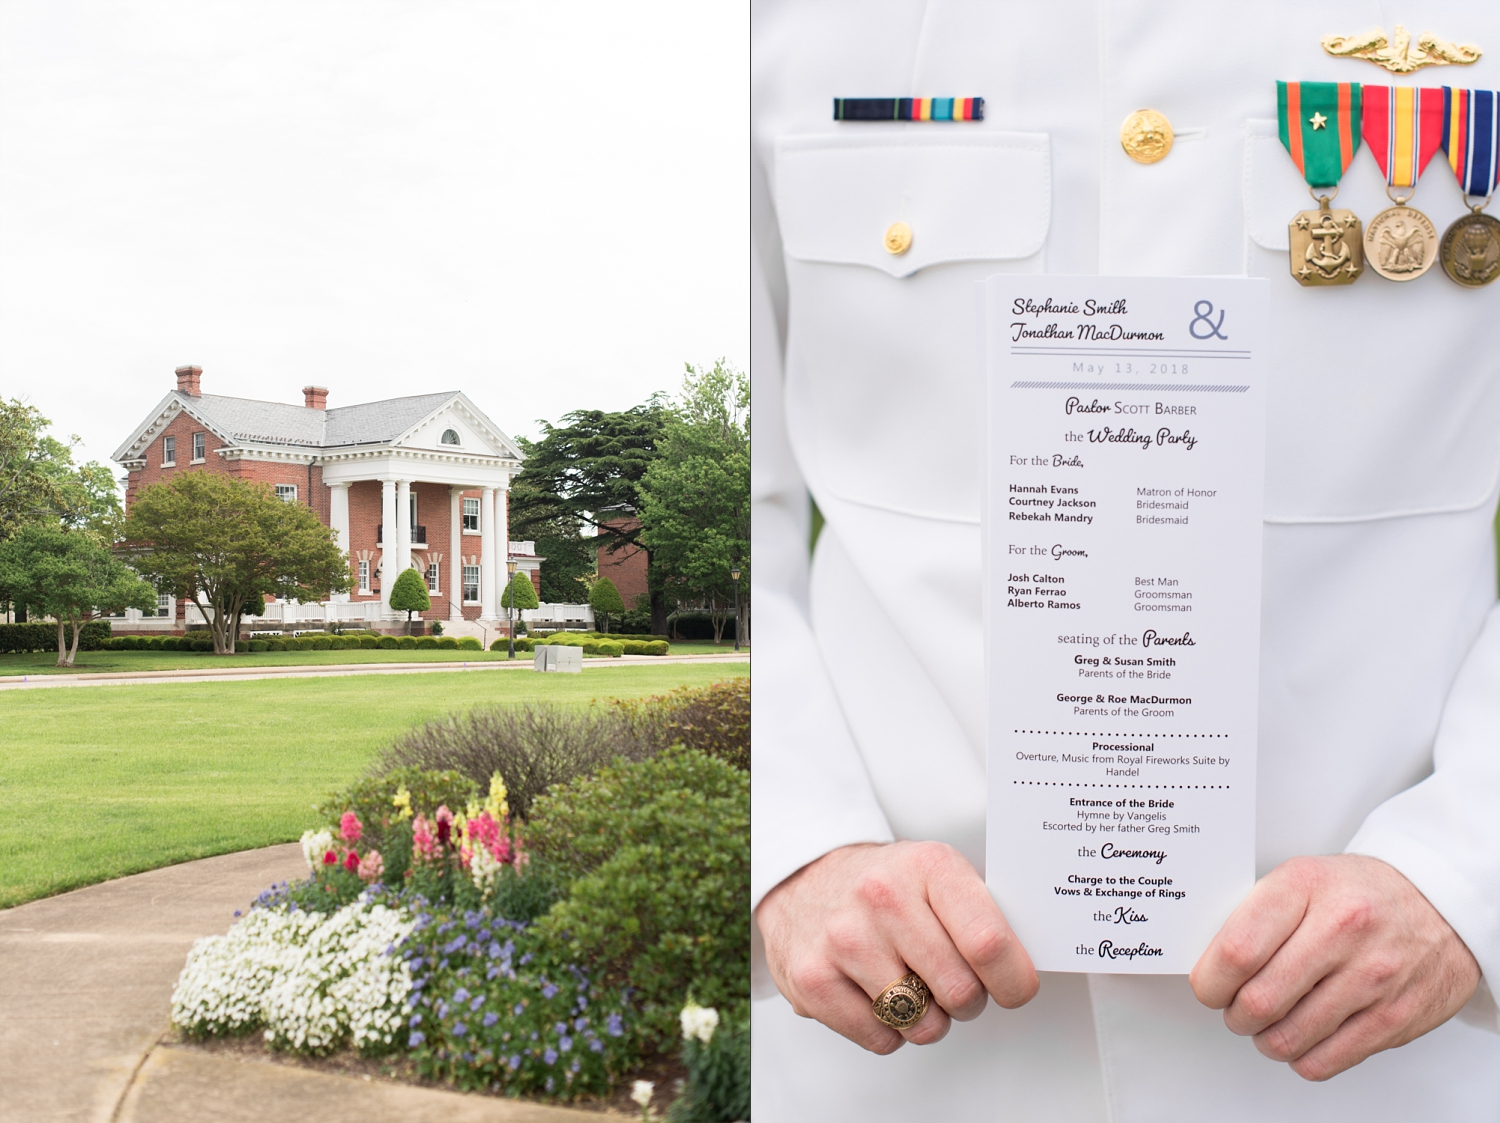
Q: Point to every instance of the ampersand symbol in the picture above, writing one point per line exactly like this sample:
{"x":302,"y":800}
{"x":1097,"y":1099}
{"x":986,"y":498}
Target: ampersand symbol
{"x":1201,"y":313}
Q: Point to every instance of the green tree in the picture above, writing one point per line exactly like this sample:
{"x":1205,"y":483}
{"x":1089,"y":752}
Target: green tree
{"x":68,"y":575}
{"x":604,"y":599}
{"x":40,"y":483}
{"x":585,"y":471}
{"x":409,"y":594}
{"x":223,"y":542}
{"x":695,"y":497}
{"x":522,"y":590}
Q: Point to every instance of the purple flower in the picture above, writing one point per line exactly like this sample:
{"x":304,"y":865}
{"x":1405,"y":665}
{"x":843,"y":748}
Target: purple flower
{"x":460,"y":995}
{"x":416,"y":1020}
{"x":416,"y":1039}
{"x":459,"y":1029}
{"x":575,"y":1066}
{"x":550,"y":1056}
{"x":565,"y":1044}
{"x":548,"y":991}
{"x":596,"y":1046}
{"x":578,"y":1023}
{"x":477,"y":1003}
{"x":490,"y":1019}
{"x":519,"y":1006}
{"x":560,"y":1027}
{"x":614,"y":1026}
{"x":495,"y":948}
{"x":514,"y":1062}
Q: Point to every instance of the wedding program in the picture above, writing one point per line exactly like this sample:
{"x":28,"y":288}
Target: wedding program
{"x":1123,"y":570}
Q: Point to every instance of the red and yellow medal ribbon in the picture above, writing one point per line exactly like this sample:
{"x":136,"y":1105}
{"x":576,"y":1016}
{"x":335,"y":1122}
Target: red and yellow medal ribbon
{"x":1403,"y":127}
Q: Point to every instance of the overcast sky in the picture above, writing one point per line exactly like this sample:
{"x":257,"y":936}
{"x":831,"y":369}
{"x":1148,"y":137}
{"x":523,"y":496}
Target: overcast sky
{"x":541,"y":204}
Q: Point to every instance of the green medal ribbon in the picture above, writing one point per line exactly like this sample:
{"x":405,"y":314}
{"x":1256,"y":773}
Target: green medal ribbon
{"x":1319,"y":124}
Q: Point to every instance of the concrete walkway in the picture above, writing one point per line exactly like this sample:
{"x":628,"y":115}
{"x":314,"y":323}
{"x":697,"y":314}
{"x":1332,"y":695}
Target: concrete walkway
{"x":334,"y":670}
{"x":85,"y":998}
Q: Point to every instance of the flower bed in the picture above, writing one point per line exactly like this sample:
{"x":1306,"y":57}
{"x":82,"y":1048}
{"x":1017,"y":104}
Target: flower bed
{"x":549,"y":957}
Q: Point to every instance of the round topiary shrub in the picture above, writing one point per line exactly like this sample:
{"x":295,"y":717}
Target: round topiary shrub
{"x":634,"y":647}
{"x":153,"y":644}
{"x":657,"y":647}
{"x":469,"y":643}
{"x":203,"y":645}
{"x":448,"y":643}
{"x":387,"y":643}
{"x":255,"y":646}
{"x":337,"y":643}
{"x":590,"y":647}
{"x":406,"y":643}
{"x":611,"y":648}
{"x":320,"y":643}
{"x":427,"y":643}
{"x":169,"y":643}
{"x":369,"y":643}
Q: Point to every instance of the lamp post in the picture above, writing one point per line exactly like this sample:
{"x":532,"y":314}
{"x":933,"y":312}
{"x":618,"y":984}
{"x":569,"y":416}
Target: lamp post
{"x":735,"y":573}
{"x":510,"y":594}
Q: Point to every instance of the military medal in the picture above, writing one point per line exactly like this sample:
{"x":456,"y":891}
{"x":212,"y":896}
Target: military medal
{"x":1403,"y":127}
{"x":1470,"y":249}
{"x":1317,"y":125}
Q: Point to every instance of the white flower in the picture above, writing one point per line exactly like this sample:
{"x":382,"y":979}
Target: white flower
{"x":698,"y":1021}
{"x":314,"y":845}
{"x":641,"y":1091}
{"x":483,"y":869}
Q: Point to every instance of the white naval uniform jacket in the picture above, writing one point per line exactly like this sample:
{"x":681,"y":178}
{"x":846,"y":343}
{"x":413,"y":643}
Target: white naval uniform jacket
{"x":1380,"y":669}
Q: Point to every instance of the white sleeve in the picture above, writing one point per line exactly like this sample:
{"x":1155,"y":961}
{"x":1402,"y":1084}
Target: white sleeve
{"x":810,"y":790}
{"x":1444,"y":833}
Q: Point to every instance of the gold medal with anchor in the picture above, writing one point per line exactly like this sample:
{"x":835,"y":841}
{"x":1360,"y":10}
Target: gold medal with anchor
{"x":1470,"y":250}
{"x":1403,"y":127}
{"x":1317,"y":125}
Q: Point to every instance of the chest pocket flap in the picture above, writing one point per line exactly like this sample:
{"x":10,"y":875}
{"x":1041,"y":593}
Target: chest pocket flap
{"x":977,"y":197}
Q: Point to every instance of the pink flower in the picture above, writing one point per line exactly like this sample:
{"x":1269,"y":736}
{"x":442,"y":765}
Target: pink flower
{"x":350,"y":828}
{"x":422,"y":846}
{"x":330,"y":858}
{"x":351,"y":862}
{"x":371,"y":866}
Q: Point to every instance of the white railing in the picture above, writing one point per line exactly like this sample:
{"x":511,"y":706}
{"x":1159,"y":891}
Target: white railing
{"x":562,"y":615}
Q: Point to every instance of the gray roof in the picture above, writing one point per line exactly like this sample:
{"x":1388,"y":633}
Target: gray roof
{"x":280,"y":423}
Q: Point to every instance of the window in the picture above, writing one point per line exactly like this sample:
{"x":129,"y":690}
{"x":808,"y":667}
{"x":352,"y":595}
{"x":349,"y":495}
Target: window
{"x":168,"y":452}
{"x":165,"y":604}
{"x":200,"y":443}
{"x":287,"y":493}
{"x":364,"y":577}
{"x":450,"y":437}
{"x":411,"y":511}
{"x":471,"y":584}
{"x":432,"y":578}
{"x":471,"y":515}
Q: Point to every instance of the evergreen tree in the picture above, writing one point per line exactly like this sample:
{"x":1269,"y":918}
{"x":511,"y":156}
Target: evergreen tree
{"x":604,"y":599}
{"x":522,"y":590}
{"x":409,"y":594}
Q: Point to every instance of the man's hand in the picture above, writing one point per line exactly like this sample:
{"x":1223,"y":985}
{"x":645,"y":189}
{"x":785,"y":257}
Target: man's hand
{"x":1330,"y":960}
{"x":843,"y":928}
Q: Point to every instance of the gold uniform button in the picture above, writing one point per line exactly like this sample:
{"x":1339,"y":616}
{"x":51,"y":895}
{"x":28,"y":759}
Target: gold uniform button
{"x":897,"y":238}
{"x":1146,"y":136}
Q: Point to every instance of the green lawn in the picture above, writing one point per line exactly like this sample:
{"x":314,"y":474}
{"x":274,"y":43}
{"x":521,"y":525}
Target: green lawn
{"x":45,"y":662}
{"x":102,"y":781}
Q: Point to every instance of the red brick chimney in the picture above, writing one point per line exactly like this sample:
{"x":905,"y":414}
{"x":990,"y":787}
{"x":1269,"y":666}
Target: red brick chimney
{"x":189,"y":381}
{"x":315,"y":397}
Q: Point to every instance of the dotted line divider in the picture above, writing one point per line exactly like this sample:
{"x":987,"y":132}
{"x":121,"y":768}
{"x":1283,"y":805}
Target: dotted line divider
{"x":1076,"y":733}
{"x":1072,"y":784}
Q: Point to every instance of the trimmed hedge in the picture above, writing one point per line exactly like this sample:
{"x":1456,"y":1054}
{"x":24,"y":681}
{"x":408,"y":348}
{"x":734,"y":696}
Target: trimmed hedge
{"x":448,"y":643}
{"x":17,"y":638}
{"x":406,"y":643}
{"x":522,"y":644}
{"x":611,"y":648}
{"x":427,"y":643}
{"x":369,"y":643}
{"x":255,"y":646}
{"x":387,"y":643}
{"x":469,"y":643}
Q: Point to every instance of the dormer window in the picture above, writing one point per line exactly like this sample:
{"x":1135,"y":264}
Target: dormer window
{"x":450,"y":437}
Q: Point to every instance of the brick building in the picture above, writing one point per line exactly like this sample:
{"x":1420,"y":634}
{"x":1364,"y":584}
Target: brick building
{"x":420,"y":481}
{"x":625,"y":566}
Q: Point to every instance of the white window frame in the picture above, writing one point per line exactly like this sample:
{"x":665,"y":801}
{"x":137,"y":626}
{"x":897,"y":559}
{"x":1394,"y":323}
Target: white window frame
{"x":454,"y":443}
{"x":364,"y":576}
{"x":287,"y":493}
{"x":476,"y":529}
{"x":166,"y":604}
{"x":169,"y":451}
{"x":474,"y":569}
{"x":200,"y":448}
{"x":434,"y":579}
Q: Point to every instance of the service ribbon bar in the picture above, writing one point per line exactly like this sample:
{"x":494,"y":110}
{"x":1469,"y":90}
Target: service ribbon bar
{"x":908,"y":109}
{"x":1469,"y":138}
{"x":1317,"y":121}
{"x":1403,"y":126}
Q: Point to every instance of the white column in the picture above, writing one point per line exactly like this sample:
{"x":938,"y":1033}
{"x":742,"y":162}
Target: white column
{"x":502,"y":520}
{"x":488,"y":600}
{"x":403,"y":526}
{"x":338,"y":518}
{"x":455,"y":584}
{"x":388,"y":568}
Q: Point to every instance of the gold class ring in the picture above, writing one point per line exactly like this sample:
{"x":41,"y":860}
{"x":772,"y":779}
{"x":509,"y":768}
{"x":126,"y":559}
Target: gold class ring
{"x":902,"y":1004}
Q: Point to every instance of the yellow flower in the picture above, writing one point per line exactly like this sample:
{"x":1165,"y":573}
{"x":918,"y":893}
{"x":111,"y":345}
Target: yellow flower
{"x":401,"y":801}
{"x":496,"y":805}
